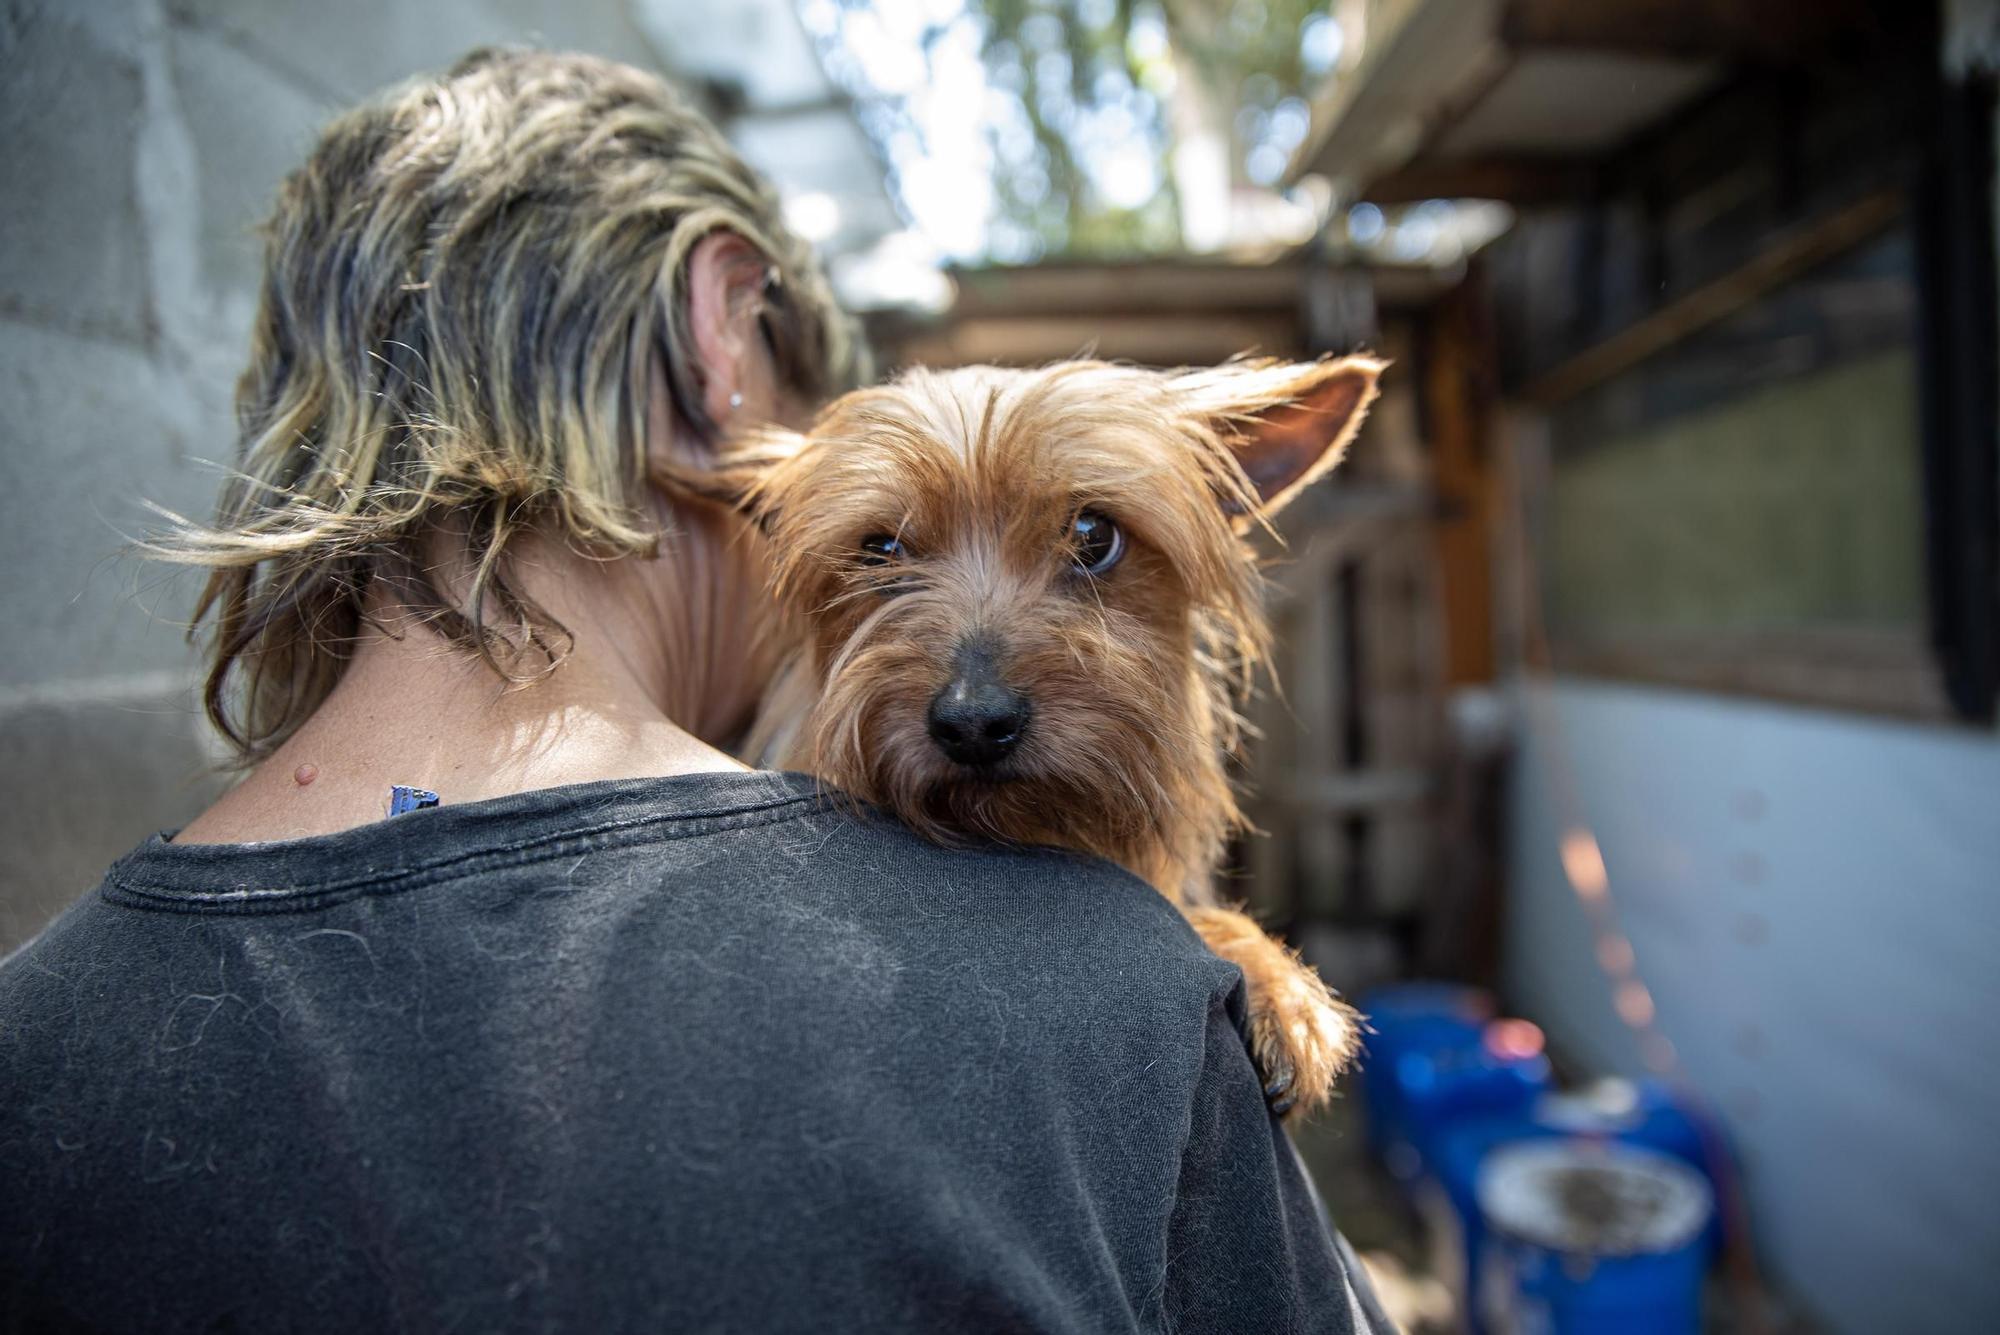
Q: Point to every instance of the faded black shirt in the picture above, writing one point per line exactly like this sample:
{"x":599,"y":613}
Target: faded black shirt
{"x":696,"y":1054}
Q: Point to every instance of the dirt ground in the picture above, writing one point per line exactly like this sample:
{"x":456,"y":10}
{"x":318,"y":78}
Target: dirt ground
{"x":1376,"y":1217}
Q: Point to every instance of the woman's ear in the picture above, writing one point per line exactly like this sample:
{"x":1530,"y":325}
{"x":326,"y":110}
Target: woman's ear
{"x":726,"y":278}
{"x":731,"y":472}
{"x":1287,"y":423}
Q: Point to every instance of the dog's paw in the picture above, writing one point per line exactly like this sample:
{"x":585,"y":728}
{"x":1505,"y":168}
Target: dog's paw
{"x":1302,"y":1036}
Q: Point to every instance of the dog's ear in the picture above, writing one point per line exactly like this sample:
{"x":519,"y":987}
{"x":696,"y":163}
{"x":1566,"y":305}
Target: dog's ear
{"x":1287,"y":423}
{"x":739,"y":475}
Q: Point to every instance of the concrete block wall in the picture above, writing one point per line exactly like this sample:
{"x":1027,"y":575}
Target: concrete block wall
{"x":140,"y":142}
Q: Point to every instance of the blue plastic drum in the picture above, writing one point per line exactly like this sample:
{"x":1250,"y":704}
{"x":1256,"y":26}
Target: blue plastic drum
{"x":1434,"y":1055}
{"x":1645,"y":1113}
{"x":1589,"y":1238}
{"x":1410,"y":1027}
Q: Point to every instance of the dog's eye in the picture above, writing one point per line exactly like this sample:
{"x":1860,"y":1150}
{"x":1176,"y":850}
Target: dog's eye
{"x":879,"y":549}
{"x":1096,"y":542}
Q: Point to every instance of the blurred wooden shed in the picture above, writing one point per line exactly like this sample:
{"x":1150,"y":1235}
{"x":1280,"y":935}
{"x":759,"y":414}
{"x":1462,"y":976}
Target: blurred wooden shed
{"x":1745,"y":439}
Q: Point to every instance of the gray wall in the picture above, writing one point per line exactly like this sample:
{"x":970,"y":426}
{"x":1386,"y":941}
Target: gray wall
{"x":139,"y":143}
{"x":1814,"y":901}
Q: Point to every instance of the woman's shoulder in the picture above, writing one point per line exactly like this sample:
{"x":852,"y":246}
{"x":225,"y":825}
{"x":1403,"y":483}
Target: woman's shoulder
{"x":1069,"y":909}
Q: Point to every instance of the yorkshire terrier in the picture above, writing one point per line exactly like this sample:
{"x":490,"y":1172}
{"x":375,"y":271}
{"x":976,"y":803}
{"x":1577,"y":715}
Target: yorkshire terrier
{"x":1029,"y":611}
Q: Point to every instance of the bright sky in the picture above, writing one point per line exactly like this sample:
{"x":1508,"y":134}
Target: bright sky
{"x":947,"y":125}
{"x":942,"y":157}
{"x":942,"y":147}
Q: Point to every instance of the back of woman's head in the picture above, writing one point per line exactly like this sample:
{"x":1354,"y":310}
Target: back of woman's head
{"x":469,"y":286}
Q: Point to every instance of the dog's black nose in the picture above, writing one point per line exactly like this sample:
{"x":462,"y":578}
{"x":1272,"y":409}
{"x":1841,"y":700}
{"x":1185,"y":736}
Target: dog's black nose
{"x":977,"y":720}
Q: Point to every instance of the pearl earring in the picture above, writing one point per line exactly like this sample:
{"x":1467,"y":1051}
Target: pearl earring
{"x":736,"y":400}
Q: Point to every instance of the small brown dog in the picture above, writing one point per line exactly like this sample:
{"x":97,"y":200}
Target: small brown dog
{"x":1029,"y":612}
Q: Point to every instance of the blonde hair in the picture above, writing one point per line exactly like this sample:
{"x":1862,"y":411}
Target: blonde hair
{"x":465,"y":287}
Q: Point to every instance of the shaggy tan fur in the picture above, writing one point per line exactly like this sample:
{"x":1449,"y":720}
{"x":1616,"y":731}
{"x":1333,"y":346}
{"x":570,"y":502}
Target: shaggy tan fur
{"x":1134,"y":673}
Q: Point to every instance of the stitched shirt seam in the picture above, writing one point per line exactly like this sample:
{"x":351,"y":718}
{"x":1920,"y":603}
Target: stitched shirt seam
{"x":529,"y":852}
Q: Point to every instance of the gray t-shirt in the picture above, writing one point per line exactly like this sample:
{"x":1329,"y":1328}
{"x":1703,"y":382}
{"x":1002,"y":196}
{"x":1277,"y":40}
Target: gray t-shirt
{"x":706,"y":1053}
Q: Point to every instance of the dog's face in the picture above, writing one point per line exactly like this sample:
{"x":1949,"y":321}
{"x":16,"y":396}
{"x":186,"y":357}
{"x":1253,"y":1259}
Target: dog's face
{"x":1028,"y":593}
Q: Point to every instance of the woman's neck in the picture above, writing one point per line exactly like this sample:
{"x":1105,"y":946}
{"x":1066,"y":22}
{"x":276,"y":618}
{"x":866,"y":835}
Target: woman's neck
{"x":663,"y":665}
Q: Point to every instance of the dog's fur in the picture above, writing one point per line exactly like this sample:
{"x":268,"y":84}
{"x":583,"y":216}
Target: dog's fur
{"x":1133,"y":675}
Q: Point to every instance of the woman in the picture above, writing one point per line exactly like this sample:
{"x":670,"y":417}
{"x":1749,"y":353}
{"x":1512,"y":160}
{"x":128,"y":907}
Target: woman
{"x":621,"y":1035}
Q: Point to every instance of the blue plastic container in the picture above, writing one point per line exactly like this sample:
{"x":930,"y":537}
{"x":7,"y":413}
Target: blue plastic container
{"x":1441,"y":1090}
{"x":1586,"y":1238}
{"x":1614,"y":1295}
{"x":1643,"y":1113}
{"x":1409,"y":1028}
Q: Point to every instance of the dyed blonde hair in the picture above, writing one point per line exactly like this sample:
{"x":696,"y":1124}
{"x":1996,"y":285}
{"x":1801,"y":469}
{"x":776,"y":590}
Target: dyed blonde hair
{"x":465,"y":288}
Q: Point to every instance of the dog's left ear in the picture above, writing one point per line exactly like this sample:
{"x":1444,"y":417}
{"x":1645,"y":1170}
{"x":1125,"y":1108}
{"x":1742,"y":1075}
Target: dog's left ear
{"x":739,"y":475}
{"x":1287,"y":423}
